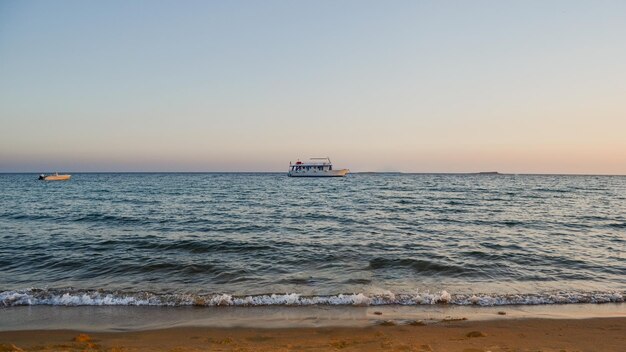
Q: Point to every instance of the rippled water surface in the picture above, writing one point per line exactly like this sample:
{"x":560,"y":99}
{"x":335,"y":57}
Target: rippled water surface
{"x":365,"y":239}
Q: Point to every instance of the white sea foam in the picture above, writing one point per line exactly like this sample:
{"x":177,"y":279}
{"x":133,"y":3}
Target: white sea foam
{"x":33,"y":297}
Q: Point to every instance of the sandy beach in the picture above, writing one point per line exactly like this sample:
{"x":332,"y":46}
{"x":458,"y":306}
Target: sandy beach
{"x":598,"y":334}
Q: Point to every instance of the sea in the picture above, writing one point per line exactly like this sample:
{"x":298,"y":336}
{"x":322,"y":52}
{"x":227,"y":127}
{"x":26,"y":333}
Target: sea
{"x":265,"y":239}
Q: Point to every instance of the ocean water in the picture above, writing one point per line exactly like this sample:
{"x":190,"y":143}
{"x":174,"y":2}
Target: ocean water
{"x":266,"y":239}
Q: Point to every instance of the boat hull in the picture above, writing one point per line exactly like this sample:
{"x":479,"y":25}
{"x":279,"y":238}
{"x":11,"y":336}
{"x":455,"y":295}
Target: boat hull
{"x":325,"y":173}
{"x":57,"y":178}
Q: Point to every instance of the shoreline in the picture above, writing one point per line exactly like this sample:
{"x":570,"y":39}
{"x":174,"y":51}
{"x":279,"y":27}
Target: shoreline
{"x":592,"y":334}
{"x":139,"y":318}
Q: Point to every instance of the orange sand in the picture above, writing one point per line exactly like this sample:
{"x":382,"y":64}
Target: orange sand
{"x":598,"y":334}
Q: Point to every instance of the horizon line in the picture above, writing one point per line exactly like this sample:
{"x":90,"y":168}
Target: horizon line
{"x":481,"y":173}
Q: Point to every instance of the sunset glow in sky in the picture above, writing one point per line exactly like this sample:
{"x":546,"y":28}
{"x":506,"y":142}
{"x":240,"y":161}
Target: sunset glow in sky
{"x":414,"y":86}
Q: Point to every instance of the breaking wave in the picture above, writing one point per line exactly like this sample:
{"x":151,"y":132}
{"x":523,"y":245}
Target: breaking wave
{"x":70,"y":297}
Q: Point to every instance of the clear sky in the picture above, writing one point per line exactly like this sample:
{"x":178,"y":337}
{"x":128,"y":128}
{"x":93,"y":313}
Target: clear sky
{"x":414,"y":86}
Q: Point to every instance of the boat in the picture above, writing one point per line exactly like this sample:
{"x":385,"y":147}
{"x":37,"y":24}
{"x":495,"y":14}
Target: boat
{"x":315,"y":167}
{"x":55,"y":177}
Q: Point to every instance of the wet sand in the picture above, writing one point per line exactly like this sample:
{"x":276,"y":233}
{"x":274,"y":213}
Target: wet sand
{"x":133,"y":318}
{"x":596,"y":334}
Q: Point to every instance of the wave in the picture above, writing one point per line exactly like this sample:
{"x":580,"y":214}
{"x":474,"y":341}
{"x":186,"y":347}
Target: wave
{"x":72,"y":297}
{"x":416,"y":264}
{"x":618,"y":225}
{"x":201,"y":246}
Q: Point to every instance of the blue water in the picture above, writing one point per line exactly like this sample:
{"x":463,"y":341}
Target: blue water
{"x":247,"y":239}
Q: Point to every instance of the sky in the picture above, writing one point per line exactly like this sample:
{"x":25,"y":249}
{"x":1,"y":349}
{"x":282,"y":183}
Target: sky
{"x":411,"y":86}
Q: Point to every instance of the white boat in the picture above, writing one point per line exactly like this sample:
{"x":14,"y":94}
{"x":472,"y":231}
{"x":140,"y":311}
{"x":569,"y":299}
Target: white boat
{"x":55,"y":177}
{"x":316,"y":167}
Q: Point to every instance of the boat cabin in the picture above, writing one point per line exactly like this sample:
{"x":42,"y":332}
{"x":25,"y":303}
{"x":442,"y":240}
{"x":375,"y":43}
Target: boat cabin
{"x":316,"y":167}
{"x":311,"y":166}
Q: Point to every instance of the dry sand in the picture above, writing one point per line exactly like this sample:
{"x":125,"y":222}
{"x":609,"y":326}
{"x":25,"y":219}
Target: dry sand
{"x":598,"y":334}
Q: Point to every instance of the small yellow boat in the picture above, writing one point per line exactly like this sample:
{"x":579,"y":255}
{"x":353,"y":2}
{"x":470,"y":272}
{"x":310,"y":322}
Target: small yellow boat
{"x":55,"y":177}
